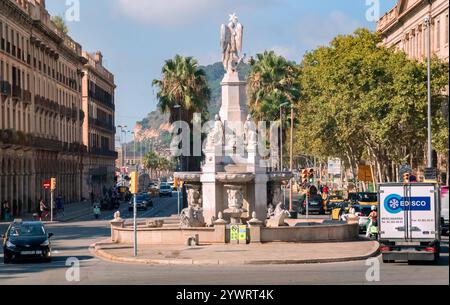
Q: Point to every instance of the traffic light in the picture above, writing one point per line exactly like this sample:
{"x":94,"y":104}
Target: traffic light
{"x":304,"y":176}
{"x":53,"y":184}
{"x":311,"y":175}
{"x":134,"y":183}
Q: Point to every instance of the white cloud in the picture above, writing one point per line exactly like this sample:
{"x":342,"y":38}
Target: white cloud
{"x":182,"y":12}
{"x":287,"y":52}
{"x":315,"y":31}
{"x":165,"y":12}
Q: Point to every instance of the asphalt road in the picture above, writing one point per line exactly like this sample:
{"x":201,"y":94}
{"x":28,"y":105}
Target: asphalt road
{"x":73,"y":240}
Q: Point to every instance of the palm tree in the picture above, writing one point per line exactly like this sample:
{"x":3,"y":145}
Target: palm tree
{"x":183,"y":91}
{"x":151,"y":162}
{"x":272,"y":81}
{"x":182,"y":84}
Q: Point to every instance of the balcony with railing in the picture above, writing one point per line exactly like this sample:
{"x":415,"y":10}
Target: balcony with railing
{"x":101,"y":124}
{"x":5,"y":88}
{"x":16,"y":92}
{"x":103,"y":152}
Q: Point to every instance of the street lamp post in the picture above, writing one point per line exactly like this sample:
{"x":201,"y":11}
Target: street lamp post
{"x":427,"y":22}
{"x":122,"y":128}
{"x":134,"y":152}
{"x":291,"y":165}
{"x":281,"y":147}
{"x":180,"y":160}
{"x":281,"y":134}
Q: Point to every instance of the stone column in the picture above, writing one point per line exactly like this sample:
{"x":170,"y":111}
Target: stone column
{"x":234,"y":99}
{"x":260,"y":190}
{"x":116,"y":223}
{"x":255,"y":229}
{"x":212,"y":200}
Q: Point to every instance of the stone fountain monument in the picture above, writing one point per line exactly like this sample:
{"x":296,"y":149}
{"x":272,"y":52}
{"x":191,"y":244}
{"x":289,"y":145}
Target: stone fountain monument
{"x":233,"y":181}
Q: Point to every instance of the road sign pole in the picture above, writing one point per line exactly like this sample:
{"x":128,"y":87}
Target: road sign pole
{"x":178,"y":191}
{"x":307,"y":206}
{"x":51,"y":206}
{"x":135,"y":223}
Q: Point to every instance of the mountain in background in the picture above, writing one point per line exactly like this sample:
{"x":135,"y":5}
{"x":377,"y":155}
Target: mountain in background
{"x":155,"y":126}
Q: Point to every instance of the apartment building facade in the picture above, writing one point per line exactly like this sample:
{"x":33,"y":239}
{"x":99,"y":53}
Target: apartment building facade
{"x":41,"y":107}
{"x":404,"y":27}
{"x":98,"y":126}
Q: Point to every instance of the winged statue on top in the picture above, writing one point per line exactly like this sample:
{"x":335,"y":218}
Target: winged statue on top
{"x":231,"y":43}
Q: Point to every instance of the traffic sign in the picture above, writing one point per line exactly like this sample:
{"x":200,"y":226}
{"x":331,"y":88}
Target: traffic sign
{"x":47,"y":184}
{"x":242,"y":234}
{"x":234,"y":233}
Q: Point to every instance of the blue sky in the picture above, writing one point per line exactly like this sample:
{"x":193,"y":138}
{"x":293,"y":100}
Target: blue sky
{"x":137,"y":36}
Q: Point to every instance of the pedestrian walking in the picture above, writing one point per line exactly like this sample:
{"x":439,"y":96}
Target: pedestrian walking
{"x":6,"y":210}
{"x":60,"y":205}
{"x":92,"y":196}
{"x":43,"y":209}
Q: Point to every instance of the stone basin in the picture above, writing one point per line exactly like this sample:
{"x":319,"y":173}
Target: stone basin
{"x":235,"y":177}
{"x":188,"y":176}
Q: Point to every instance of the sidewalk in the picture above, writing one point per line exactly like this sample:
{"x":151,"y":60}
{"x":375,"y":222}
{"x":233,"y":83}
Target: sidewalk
{"x":71,"y":211}
{"x":253,"y":254}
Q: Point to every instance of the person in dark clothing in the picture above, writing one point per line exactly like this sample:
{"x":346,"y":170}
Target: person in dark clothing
{"x":59,"y":205}
{"x":6,"y":210}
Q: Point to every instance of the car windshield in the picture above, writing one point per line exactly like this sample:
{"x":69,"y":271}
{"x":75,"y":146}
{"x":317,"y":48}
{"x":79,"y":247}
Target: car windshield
{"x":368,"y":197}
{"x":27,"y":231}
{"x":165,"y":186}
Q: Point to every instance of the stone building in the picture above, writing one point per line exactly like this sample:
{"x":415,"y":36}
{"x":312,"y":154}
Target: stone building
{"x":41,"y":107}
{"x":404,"y":27}
{"x":98,"y":127}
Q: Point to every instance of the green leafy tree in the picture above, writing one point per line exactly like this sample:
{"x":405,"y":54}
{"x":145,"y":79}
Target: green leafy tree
{"x":362,"y":100}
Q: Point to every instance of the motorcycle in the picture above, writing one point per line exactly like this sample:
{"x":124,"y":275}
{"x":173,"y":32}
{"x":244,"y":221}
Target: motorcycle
{"x":373,"y":231}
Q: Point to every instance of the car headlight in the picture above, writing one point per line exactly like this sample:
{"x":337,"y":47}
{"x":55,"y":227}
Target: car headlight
{"x":45,"y":243}
{"x":10,"y":244}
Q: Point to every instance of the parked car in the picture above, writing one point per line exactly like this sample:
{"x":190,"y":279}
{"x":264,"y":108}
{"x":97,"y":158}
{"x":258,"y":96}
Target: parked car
{"x":315,"y":205}
{"x":368,"y":199}
{"x":143,"y":202}
{"x":165,"y":190}
{"x":352,"y":197}
{"x":26,"y":240}
{"x":331,"y":201}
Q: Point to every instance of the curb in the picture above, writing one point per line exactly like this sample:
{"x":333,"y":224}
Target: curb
{"x":101,"y":253}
